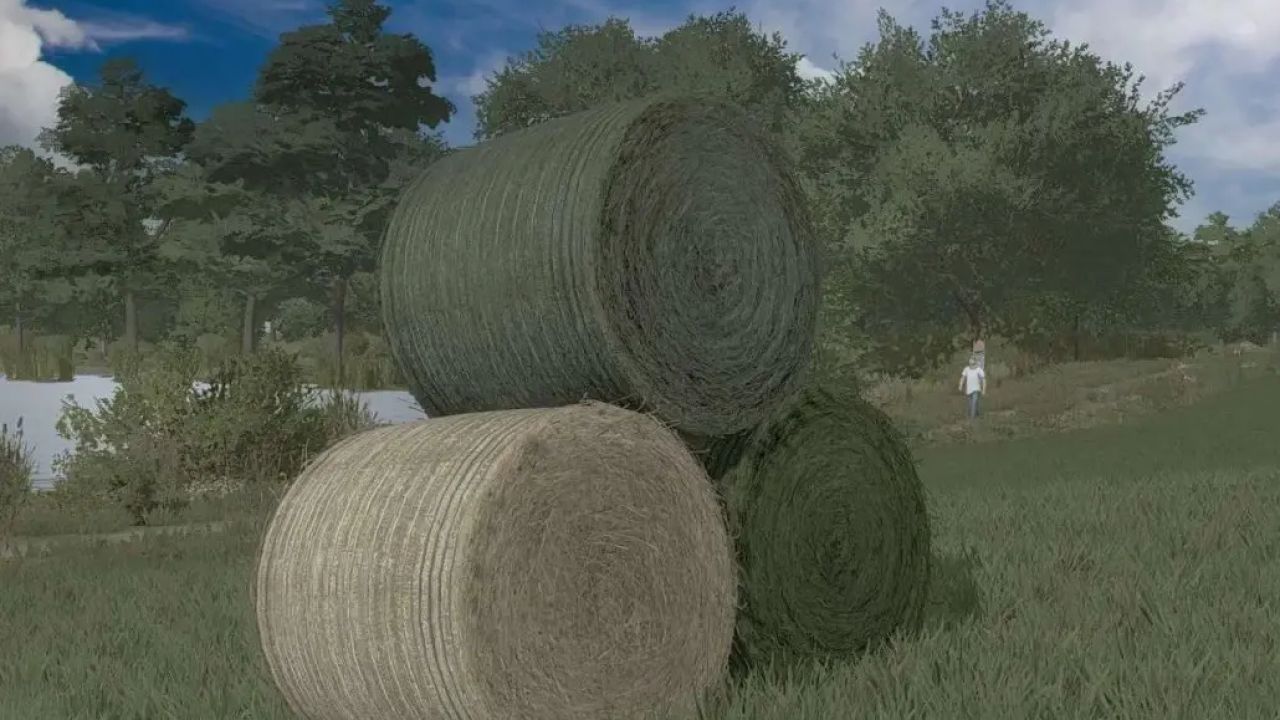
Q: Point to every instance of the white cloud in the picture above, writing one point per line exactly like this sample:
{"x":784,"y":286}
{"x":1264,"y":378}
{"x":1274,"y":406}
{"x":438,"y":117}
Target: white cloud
{"x":1225,"y":52}
{"x":29,"y":86}
{"x":1170,"y":39}
{"x":460,"y":89}
{"x":644,"y":22}
{"x":123,"y":32}
{"x":820,"y":28}
{"x":476,"y":82}
{"x":264,"y":18}
{"x":809,"y":71}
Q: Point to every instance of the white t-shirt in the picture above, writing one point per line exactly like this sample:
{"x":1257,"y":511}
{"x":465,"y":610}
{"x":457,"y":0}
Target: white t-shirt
{"x":973,"y":377}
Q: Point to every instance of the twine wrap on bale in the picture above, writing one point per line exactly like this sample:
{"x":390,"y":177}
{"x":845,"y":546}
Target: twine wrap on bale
{"x":832,"y":530}
{"x":526,"y":564}
{"x":654,"y":254}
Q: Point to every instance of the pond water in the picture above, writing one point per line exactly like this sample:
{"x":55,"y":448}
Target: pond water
{"x":39,"y":404}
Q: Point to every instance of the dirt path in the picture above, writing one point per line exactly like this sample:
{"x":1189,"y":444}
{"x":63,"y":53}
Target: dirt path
{"x":35,"y":546}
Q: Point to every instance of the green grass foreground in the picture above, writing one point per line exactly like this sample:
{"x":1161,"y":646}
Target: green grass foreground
{"x":1127,"y":571}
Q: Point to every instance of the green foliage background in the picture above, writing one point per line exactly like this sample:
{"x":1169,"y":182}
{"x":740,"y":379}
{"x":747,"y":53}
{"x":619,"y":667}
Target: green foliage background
{"x":980,"y":178}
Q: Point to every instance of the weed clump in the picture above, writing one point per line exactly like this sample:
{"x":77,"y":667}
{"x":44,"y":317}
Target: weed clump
{"x":16,"y":468}
{"x":164,"y":437}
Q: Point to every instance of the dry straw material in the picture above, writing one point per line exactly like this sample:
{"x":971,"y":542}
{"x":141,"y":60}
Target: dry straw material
{"x":832,"y":530}
{"x":654,"y":254}
{"x":526,"y":564}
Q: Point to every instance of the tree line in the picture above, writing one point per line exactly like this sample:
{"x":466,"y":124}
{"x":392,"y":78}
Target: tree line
{"x":983,"y":179}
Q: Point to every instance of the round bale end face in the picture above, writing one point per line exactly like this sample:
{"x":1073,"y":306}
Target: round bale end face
{"x":708,"y":271}
{"x":567,"y":563}
{"x":833,"y":532}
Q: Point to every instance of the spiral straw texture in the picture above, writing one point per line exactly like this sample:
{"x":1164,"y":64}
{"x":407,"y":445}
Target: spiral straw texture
{"x":832,"y":530}
{"x":654,"y":254}
{"x":525,"y":564}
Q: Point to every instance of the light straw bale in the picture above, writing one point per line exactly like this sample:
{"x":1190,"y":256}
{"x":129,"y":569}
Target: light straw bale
{"x":525,"y":564}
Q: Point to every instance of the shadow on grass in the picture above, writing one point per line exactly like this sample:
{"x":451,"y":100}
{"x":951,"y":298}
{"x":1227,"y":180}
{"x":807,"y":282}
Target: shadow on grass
{"x":954,"y":595}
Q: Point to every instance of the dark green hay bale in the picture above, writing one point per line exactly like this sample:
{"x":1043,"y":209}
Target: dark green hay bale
{"x":652,"y":254}
{"x":832,"y":530}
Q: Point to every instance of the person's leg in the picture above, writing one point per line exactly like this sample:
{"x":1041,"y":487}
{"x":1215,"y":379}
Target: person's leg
{"x":971,"y":409}
{"x":977,"y":403}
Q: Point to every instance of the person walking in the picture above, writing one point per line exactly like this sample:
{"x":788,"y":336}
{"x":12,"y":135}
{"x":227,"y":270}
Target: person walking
{"x":973,"y":382}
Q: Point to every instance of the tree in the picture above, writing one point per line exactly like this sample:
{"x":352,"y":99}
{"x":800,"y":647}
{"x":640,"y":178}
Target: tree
{"x":343,"y":231}
{"x":124,"y":131}
{"x":226,"y":237}
{"x":228,"y":225}
{"x":1217,"y":233}
{"x":1235,"y":285}
{"x":570,"y":70}
{"x":28,"y":226}
{"x":987,"y":180}
{"x":368,"y":93}
{"x":1265,"y":236}
{"x":582,"y":66}
{"x":1250,"y":272}
{"x":1175,"y":290}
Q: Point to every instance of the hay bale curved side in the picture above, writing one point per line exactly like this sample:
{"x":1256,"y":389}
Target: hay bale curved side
{"x":566,"y":563}
{"x":832,"y":530}
{"x":653,"y":254}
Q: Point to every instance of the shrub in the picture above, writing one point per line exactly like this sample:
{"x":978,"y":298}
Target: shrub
{"x":215,"y":351}
{"x":123,"y":360}
{"x":160,"y":437}
{"x":16,"y":468}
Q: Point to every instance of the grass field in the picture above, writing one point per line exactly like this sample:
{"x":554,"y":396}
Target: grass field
{"x":1121,"y":571}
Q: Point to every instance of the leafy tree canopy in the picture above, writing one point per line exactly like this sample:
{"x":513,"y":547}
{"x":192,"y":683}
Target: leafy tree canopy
{"x":986,"y":179}
{"x":582,"y":66}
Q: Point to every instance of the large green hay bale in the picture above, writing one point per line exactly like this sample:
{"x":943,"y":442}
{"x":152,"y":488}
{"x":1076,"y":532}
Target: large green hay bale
{"x":654,"y":254}
{"x":539,"y":564}
{"x":832,"y":530}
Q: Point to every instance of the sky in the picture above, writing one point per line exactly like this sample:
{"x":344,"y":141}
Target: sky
{"x":208,"y":51}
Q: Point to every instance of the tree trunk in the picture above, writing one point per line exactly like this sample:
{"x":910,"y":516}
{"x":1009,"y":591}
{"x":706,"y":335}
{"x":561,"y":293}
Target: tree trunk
{"x":130,"y":321}
{"x":249,"y":333}
{"x":973,"y":316}
{"x":339,"y":325}
{"x":1075,"y":338}
{"x":17,"y":326}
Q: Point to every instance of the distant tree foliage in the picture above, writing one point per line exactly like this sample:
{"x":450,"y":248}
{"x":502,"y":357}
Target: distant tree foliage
{"x":986,"y":179}
{"x":358,"y":97}
{"x":978,"y":178}
{"x":582,"y":66}
{"x":126,"y":132}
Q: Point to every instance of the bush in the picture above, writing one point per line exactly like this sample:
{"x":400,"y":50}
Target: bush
{"x":122,"y":359}
{"x":216,"y":351}
{"x":160,"y":439}
{"x":16,"y":468}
